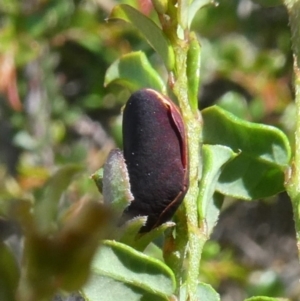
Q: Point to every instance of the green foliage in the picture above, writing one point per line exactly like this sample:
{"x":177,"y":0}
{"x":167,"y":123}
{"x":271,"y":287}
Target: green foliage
{"x":132,"y":237}
{"x":56,"y":56}
{"x":112,"y":289}
{"x":229,"y":143}
{"x":115,"y":184}
{"x":261,"y":150}
{"x":193,"y":71}
{"x":152,"y":33}
{"x":131,"y":269}
{"x":210,"y":202}
{"x":134,"y":71}
{"x":204,"y":291}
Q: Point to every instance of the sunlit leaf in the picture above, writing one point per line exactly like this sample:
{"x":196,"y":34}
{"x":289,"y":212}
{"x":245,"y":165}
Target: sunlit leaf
{"x":116,"y":186}
{"x":131,"y":236}
{"x":102,"y":288}
{"x":130,"y":269}
{"x":193,"y":71}
{"x":234,"y":103}
{"x":249,"y":178}
{"x":194,"y":7}
{"x":266,"y":142}
{"x":204,"y":292}
{"x":264,"y":153}
{"x":209,"y":203}
{"x":134,"y":71}
{"x":152,"y":33}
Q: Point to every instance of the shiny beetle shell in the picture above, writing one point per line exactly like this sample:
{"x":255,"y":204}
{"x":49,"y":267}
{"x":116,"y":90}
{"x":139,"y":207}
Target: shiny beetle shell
{"x":155,"y":153}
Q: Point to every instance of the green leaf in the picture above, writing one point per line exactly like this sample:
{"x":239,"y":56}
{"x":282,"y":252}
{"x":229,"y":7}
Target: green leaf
{"x":264,"y":298}
{"x":207,"y":293}
{"x":204,"y":292}
{"x":130,"y":231}
{"x":97,"y":177}
{"x":132,"y":268}
{"x":193,"y":71}
{"x":133,"y":238}
{"x":264,"y":153}
{"x":46,"y":210}
{"x":194,"y":8}
{"x":152,"y":33}
{"x":263,"y":141}
{"x":101,"y":288}
{"x":249,"y":178}
{"x":134,"y":71}
{"x":182,"y":13}
{"x":116,"y":186}
{"x":209,"y":203}
{"x":234,"y":103}
{"x":9,"y":274}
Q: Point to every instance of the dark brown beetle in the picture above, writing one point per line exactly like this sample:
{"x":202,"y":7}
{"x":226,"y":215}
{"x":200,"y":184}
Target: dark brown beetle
{"x":155,"y":152}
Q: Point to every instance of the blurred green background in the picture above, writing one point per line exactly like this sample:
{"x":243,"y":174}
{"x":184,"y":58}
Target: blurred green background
{"x":54,"y":110}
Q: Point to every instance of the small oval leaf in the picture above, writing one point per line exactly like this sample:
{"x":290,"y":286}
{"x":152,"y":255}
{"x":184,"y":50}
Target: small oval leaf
{"x":131,"y":237}
{"x":133,"y":268}
{"x":204,"y":292}
{"x":264,"y":154}
{"x":116,"y":186}
{"x":258,"y":140}
{"x":193,"y":71}
{"x":194,"y":8}
{"x":152,"y":33}
{"x":134,"y":71}
{"x":248,"y":178}
{"x":101,"y":288}
{"x":209,"y":203}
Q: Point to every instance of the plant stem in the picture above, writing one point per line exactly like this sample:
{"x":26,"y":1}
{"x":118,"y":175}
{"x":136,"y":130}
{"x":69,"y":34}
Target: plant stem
{"x":193,"y":129}
{"x":187,"y":244}
{"x":293,"y":183}
{"x":294,"y":188}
